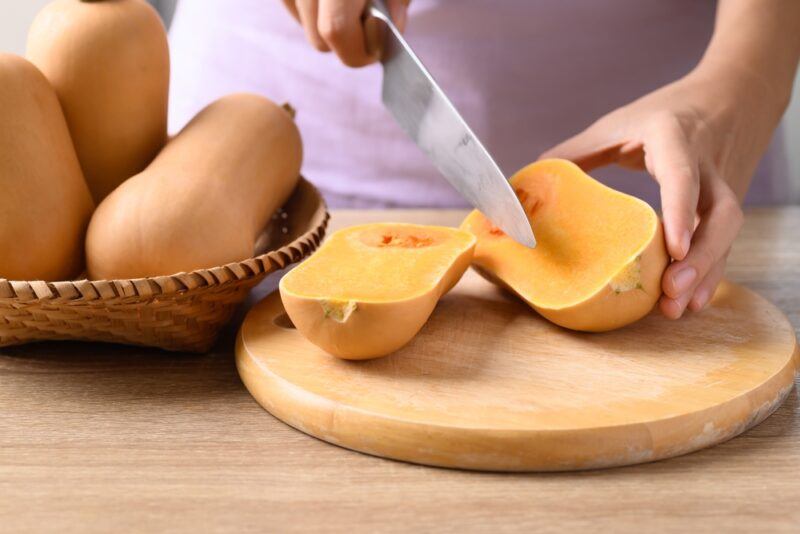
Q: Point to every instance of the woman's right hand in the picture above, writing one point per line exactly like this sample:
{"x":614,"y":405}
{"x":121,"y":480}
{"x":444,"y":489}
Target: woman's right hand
{"x":339,"y":25}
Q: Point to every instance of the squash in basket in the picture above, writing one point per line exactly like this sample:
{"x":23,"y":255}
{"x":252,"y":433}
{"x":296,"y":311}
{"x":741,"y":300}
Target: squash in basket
{"x":206,"y":197}
{"x":109,"y":64}
{"x":44,"y":202}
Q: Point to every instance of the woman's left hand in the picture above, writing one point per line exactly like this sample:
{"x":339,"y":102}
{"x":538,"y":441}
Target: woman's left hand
{"x":701,"y":138}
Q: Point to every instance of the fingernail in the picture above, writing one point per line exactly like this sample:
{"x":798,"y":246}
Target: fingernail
{"x":682,"y":280}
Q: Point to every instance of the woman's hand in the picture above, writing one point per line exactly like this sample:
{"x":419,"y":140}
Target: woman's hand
{"x":700,"y":138}
{"x":339,"y":25}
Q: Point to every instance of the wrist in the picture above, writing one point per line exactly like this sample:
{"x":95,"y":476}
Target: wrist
{"x":738,"y":85}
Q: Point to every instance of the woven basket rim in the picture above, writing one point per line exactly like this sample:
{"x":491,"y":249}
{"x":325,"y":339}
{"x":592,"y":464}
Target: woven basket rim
{"x":164,"y":285}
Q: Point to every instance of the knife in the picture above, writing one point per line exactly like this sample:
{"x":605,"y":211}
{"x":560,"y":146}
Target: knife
{"x":426,"y":114}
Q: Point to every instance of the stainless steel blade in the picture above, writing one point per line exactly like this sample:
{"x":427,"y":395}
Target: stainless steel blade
{"x":426,"y":114}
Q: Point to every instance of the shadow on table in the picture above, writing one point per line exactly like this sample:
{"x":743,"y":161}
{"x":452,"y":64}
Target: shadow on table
{"x":123,"y":372}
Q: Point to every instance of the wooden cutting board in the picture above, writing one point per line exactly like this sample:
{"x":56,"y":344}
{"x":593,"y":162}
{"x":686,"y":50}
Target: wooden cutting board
{"x":488,"y":384}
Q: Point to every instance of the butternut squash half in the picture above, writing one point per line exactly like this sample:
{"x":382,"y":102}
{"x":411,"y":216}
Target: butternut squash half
{"x":369,"y":289}
{"x":205,"y":199}
{"x":600,"y":253}
{"x":44,"y":202}
{"x":109,"y":64}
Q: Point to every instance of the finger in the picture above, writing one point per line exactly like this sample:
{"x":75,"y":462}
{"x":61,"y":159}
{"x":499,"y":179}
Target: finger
{"x":291,"y":6}
{"x":719,"y":224}
{"x":705,"y":289}
{"x":673,"y":308}
{"x":307,"y":12}
{"x":672,"y":163}
{"x":373,"y":34}
{"x":592,"y":148}
{"x":341,"y":27}
{"x":398,"y":9}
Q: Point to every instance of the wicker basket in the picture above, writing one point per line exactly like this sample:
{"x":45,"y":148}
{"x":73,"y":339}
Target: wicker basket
{"x":181,"y":312}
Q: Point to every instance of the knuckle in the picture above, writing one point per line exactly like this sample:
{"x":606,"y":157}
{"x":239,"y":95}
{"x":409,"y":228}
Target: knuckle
{"x":736,"y":213}
{"x":663,"y":120}
{"x":731,"y":210}
{"x":705,"y":260}
{"x":683,"y":172}
{"x":332,"y":29}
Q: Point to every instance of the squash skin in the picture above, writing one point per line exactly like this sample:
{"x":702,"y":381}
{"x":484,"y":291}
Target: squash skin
{"x":372,"y":329}
{"x":109,"y":64}
{"x":45,"y":204}
{"x":606,"y":309}
{"x":205,"y":198}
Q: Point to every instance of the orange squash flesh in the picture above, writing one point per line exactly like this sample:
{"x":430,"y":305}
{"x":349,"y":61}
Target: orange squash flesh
{"x":600,"y":253}
{"x":370,"y":288}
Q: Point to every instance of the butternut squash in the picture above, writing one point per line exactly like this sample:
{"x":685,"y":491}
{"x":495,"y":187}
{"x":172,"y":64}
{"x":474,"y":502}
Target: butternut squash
{"x":369,"y":289}
{"x":600,"y":253}
{"x":109,"y":64}
{"x":205,"y":198}
{"x":44,"y":202}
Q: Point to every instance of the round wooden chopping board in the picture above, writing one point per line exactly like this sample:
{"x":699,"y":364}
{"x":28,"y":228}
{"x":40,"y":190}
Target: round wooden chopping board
{"x":488,"y":384}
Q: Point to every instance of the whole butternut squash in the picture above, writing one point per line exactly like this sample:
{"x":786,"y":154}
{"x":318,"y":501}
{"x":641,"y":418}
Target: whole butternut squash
{"x":600,"y":253}
{"x":205,"y":198}
{"x":109,"y":64}
{"x":369,"y":289}
{"x":44,"y":202}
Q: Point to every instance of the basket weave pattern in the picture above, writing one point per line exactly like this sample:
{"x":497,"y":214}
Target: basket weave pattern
{"x":181,"y":312}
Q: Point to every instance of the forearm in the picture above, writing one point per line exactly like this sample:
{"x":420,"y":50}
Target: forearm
{"x":759,"y":41}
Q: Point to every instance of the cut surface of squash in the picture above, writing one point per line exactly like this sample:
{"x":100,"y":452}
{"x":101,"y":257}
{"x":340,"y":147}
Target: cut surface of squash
{"x":600,"y":253}
{"x":370,"y":288}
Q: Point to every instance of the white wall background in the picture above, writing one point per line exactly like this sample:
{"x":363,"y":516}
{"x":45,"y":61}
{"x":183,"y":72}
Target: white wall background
{"x":16,"y":16}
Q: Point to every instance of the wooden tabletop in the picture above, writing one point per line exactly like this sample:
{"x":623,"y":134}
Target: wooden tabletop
{"x":98,"y":438}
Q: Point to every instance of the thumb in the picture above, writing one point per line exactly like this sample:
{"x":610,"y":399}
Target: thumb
{"x":594,"y":147}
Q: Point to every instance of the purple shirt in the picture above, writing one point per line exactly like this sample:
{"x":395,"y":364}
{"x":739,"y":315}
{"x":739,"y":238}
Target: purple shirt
{"x":526,"y":74}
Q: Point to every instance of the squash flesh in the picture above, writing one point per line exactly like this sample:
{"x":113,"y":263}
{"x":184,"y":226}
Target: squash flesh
{"x":378,"y":263}
{"x":591,"y":240}
{"x":369,"y":289}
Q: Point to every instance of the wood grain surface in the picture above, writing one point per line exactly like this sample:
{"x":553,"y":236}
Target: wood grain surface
{"x":99,"y":438}
{"x":487,"y":384}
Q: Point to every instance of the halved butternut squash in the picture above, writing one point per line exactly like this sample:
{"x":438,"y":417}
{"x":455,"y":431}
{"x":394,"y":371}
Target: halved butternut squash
{"x":600,"y":253}
{"x":369,"y":289}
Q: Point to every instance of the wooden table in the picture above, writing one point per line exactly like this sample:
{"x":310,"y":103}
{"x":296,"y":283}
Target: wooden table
{"x":97,"y":438}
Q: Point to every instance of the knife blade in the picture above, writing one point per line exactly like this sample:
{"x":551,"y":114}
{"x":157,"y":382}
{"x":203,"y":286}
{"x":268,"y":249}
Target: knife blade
{"x":425,"y":113}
